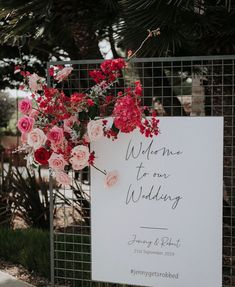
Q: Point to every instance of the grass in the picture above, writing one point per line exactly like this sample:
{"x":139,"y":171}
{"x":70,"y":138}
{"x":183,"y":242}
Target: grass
{"x":31,"y":249}
{"x":28,"y":247}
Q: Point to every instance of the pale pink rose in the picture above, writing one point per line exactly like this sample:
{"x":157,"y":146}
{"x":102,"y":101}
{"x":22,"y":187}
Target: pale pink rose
{"x":55,"y":135}
{"x":81,"y":153}
{"x":35,"y":82}
{"x":25,"y":124}
{"x":25,"y":106}
{"x":63,"y":178}
{"x":76,"y":165}
{"x":36,"y":138}
{"x":57,"y":161}
{"x":68,"y":123}
{"x":34,"y":113}
{"x":23,"y":138}
{"x":63,"y":74}
{"x":111,"y":178}
{"x":95,"y":130}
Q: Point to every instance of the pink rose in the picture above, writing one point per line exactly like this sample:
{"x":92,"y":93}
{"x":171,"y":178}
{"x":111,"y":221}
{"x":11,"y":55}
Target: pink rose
{"x":25,"y":124}
{"x":95,"y":130}
{"x":57,"y":148}
{"x":63,"y":74}
{"x":68,"y":123}
{"x":81,"y":153}
{"x":76,"y":165}
{"x":34,"y":113}
{"x":25,"y":106}
{"x":57,"y":161}
{"x":36,"y":138}
{"x":111,"y":178}
{"x":63,"y":178}
{"x":55,"y":135}
{"x":35,"y":82}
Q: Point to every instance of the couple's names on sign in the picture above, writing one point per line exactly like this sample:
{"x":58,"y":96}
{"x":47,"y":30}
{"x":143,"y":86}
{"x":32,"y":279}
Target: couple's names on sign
{"x":161,"y":224}
{"x":144,"y":152}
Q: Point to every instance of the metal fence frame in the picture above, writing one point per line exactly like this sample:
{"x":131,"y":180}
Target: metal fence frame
{"x":217,"y":83}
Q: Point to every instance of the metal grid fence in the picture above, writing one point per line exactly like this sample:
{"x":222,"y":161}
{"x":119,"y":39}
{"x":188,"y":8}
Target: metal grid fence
{"x":189,"y":86}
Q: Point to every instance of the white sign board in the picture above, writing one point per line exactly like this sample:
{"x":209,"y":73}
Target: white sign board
{"x":161,"y":224}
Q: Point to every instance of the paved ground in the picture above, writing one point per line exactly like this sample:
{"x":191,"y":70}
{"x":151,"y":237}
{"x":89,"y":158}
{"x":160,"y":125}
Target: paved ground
{"x":7,"y":280}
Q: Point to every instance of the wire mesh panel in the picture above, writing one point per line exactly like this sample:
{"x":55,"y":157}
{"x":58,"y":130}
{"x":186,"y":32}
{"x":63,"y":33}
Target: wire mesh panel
{"x":192,"y":86}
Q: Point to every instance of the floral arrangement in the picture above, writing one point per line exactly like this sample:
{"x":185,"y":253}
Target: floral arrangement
{"x":56,"y":129}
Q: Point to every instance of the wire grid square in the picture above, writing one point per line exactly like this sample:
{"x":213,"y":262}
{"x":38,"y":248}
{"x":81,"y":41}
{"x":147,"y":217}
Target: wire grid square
{"x":189,"y":86}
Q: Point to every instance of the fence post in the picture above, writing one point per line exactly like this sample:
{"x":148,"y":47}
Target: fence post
{"x":51,"y":229}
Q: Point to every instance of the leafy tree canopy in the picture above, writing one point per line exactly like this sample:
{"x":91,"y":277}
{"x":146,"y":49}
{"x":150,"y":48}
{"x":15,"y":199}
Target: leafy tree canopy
{"x":40,"y":30}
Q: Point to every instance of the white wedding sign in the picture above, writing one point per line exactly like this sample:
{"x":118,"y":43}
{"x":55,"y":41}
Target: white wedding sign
{"x":161,"y":224}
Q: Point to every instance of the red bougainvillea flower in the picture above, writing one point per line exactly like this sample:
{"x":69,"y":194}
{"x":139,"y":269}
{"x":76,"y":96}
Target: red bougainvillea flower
{"x":91,"y":158}
{"x":41,"y":155}
{"x":51,"y":71}
{"x":110,"y":66}
{"x":138,"y":88}
{"x":77,"y":97}
{"x":90,"y":102}
{"x":127,"y":114}
{"x":149,"y":127}
{"x":97,"y":76}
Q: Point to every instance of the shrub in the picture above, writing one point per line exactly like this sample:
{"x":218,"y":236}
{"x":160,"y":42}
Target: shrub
{"x":28,"y":247}
{"x":6,"y":209}
{"x":26,"y":194}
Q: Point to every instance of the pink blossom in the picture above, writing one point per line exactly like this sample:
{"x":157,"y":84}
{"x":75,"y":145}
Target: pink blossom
{"x":25,"y":124}
{"x":36,"y":138}
{"x":95,"y":130}
{"x":25,"y":106}
{"x":55,"y":135}
{"x":63,"y":74}
{"x":58,"y":148}
{"x":57,"y":161}
{"x":111,"y":178}
{"x":34,"y":113}
{"x":76,"y":165}
{"x":127,"y":114}
{"x":68,"y":123}
{"x":63,"y":178}
{"x":35,"y":82}
{"x":81,"y":153}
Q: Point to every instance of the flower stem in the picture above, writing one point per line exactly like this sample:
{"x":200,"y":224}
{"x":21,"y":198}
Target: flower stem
{"x":102,"y":171}
{"x":150,"y":34}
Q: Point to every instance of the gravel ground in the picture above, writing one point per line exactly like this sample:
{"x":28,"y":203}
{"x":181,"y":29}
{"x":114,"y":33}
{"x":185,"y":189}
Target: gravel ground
{"x":23,"y":274}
